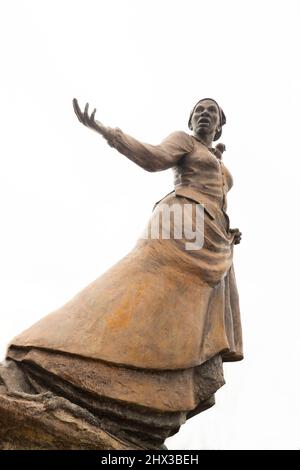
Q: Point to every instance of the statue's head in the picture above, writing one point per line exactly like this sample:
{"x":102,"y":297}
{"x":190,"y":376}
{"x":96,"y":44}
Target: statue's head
{"x":207,"y":118}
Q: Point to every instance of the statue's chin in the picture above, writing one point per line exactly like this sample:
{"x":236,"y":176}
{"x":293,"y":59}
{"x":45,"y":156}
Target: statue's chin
{"x":203,"y":132}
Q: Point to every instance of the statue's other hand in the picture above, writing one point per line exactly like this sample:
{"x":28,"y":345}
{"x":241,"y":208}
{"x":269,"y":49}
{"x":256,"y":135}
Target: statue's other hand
{"x":88,"y":120}
{"x":220,"y":149}
{"x":237,"y":235}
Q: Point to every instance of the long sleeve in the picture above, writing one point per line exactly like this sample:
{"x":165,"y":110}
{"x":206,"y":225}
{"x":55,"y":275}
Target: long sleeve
{"x":151,"y":157}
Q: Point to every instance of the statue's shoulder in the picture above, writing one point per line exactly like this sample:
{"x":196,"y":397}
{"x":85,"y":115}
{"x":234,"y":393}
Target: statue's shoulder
{"x":181,"y":138}
{"x":181,"y":134}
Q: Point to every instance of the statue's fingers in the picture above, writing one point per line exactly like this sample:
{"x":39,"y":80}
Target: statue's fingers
{"x":93,"y":115}
{"x":86,"y":113}
{"x":77,"y":110}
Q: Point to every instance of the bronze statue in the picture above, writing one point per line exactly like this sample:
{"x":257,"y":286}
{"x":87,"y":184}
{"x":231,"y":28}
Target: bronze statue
{"x":140,"y":350}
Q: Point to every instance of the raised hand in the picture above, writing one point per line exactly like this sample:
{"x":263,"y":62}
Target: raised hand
{"x":89,"y":120}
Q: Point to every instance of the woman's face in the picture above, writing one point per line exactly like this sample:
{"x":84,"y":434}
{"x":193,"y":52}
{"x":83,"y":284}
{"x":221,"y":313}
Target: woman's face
{"x":205,"y":118}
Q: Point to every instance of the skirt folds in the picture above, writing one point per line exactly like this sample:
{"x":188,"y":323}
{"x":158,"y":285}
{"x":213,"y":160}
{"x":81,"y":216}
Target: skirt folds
{"x":143,"y":345}
{"x":141,"y":407}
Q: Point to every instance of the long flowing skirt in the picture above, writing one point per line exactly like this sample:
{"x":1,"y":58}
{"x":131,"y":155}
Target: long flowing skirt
{"x":143,"y":345}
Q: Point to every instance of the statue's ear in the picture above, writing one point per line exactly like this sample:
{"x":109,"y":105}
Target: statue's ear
{"x":223,"y":118}
{"x":222,"y":122}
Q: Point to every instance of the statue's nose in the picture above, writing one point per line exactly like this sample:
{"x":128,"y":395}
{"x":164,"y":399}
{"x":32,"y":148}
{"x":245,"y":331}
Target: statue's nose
{"x":205,"y":114}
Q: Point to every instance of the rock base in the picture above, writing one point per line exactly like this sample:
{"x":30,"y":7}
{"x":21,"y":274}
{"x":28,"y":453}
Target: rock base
{"x":47,"y":422}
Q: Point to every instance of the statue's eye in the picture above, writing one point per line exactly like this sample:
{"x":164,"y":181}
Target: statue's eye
{"x":212,"y":109}
{"x":199,"y":109}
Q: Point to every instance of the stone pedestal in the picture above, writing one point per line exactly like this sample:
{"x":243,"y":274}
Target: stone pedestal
{"x":48,"y":422}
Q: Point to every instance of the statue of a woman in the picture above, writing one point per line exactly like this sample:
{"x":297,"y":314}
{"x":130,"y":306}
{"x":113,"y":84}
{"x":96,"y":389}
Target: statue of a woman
{"x":142,"y":347}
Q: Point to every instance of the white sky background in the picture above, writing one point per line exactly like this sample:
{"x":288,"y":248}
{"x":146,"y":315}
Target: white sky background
{"x":71,"y":206}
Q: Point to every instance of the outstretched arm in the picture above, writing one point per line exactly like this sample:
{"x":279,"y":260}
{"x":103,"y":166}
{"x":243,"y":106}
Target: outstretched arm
{"x":150,"y":157}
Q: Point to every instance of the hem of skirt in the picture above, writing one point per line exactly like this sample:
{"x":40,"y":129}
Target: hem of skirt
{"x":232,"y":357}
{"x":226,"y":354}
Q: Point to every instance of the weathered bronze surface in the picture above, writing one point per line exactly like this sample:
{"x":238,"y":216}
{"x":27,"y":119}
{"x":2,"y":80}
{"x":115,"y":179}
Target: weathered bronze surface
{"x":140,"y":350}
